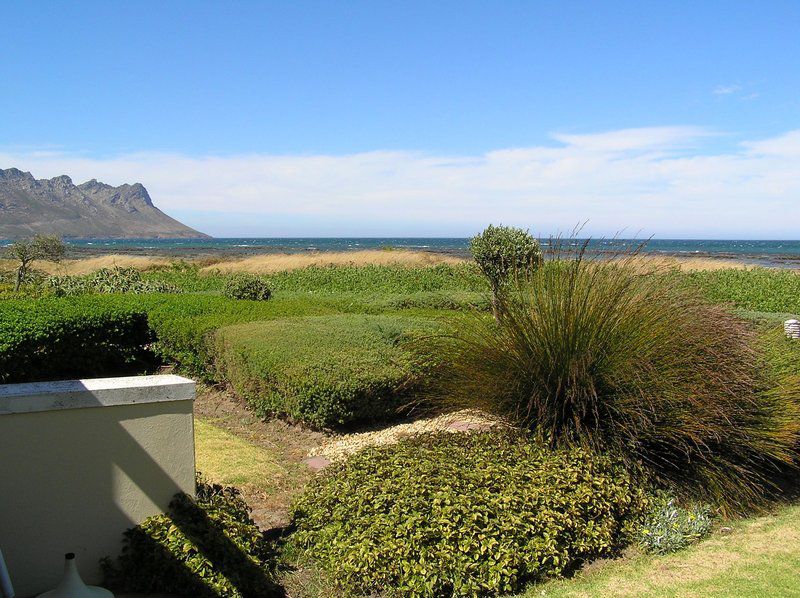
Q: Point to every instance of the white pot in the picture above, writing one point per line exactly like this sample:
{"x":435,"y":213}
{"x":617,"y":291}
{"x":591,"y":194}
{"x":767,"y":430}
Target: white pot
{"x":72,"y":586}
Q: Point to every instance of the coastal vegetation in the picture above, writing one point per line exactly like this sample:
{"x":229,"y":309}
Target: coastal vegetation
{"x":639,"y":407}
{"x":464,"y":514}
{"x":593,"y":353}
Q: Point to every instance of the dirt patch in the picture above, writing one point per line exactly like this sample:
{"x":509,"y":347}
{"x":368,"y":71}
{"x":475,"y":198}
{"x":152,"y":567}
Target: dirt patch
{"x":288,"y":445}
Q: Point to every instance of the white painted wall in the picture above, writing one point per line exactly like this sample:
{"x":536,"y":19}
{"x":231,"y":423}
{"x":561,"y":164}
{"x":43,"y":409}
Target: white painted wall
{"x":83,"y":460}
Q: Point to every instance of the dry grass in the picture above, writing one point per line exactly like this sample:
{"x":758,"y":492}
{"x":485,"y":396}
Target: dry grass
{"x":92,"y":264}
{"x":268,"y":263}
{"x":276,"y":262}
{"x":689,"y":264}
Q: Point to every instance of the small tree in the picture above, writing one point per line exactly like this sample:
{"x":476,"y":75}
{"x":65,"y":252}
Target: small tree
{"x":40,"y":247}
{"x":502,"y":252}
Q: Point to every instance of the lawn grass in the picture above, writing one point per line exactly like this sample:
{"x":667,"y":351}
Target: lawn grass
{"x":225,"y":458}
{"x":759,"y":557}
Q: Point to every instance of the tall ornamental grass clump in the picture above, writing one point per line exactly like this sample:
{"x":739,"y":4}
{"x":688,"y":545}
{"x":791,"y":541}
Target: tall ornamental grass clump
{"x":606,"y":355}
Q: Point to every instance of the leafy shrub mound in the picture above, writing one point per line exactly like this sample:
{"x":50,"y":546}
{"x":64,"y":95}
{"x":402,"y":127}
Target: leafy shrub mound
{"x":108,"y":280}
{"x":463,"y":514}
{"x":669,"y":527}
{"x":325,"y":371}
{"x":247,"y":286}
{"x":56,"y":338}
{"x":205,"y":547}
{"x":603,"y":354}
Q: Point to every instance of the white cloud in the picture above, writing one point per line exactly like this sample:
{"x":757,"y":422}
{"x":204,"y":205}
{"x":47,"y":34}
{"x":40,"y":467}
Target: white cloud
{"x":722,"y":90}
{"x":659,"y":180}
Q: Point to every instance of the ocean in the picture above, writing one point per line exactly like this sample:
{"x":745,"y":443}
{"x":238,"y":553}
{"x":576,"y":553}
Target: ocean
{"x":752,"y":251}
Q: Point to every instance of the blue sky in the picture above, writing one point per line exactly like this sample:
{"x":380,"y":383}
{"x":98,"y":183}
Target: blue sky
{"x":280,"y":118}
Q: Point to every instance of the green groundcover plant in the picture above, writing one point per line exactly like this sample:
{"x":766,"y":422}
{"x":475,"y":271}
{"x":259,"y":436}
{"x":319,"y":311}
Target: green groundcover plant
{"x":669,"y":527}
{"x":606,"y":355}
{"x":463,"y":515}
{"x":203,"y":547}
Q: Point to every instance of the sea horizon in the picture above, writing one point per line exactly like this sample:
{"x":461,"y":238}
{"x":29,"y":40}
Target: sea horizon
{"x":754,"y":251}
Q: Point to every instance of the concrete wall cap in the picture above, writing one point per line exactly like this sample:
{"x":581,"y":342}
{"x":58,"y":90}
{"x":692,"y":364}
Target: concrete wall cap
{"x":30,"y":397}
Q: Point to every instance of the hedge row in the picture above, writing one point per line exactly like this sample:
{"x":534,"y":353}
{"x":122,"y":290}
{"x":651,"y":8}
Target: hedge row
{"x":326,"y":371}
{"x":61,"y":339}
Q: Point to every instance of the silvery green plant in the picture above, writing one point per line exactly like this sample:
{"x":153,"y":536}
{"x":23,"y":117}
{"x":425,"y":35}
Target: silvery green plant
{"x":503,"y":253}
{"x":668,"y":527}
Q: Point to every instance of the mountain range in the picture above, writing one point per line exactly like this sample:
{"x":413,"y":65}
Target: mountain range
{"x":90,"y":210}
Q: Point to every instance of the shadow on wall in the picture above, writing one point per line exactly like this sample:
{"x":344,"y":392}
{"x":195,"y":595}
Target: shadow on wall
{"x":89,"y":459}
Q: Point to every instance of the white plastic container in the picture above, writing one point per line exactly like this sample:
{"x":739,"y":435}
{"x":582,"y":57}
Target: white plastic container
{"x":72,"y":586}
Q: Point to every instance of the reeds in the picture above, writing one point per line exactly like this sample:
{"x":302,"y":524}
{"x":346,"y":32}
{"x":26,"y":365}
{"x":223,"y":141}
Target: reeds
{"x":607,"y":355}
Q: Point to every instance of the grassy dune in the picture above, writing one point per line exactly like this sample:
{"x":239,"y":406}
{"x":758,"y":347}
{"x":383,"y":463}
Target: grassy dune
{"x":92,"y":264}
{"x":278,"y":262}
{"x":269,"y":263}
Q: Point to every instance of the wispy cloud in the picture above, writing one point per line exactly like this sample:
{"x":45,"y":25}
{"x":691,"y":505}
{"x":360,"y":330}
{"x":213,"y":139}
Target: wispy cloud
{"x":723,"y":90}
{"x":658,"y":180}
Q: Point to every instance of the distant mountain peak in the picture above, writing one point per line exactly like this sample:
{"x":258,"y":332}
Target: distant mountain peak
{"x":90,"y":210}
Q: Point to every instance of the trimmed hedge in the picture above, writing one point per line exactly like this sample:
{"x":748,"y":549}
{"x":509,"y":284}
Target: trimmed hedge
{"x":463,"y":515}
{"x":55,"y":338}
{"x":325,"y":371}
{"x":206,"y":547}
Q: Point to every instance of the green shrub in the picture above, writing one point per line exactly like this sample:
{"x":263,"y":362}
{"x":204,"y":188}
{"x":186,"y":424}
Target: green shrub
{"x":247,"y":286}
{"x":204,"y":547}
{"x":324,"y":371}
{"x":504,"y":252}
{"x":463,"y":514}
{"x":600,"y":354}
{"x":51,"y":338}
{"x":669,"y":527}
{"x":108,"y":280}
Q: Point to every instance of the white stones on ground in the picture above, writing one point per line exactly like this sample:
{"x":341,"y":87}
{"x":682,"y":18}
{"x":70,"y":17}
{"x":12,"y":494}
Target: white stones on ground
{"x":340,"y":447}
{"x":792,"y":328}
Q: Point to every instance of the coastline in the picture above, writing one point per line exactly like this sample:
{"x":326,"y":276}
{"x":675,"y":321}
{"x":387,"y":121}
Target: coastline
{"x":205,"y":252}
